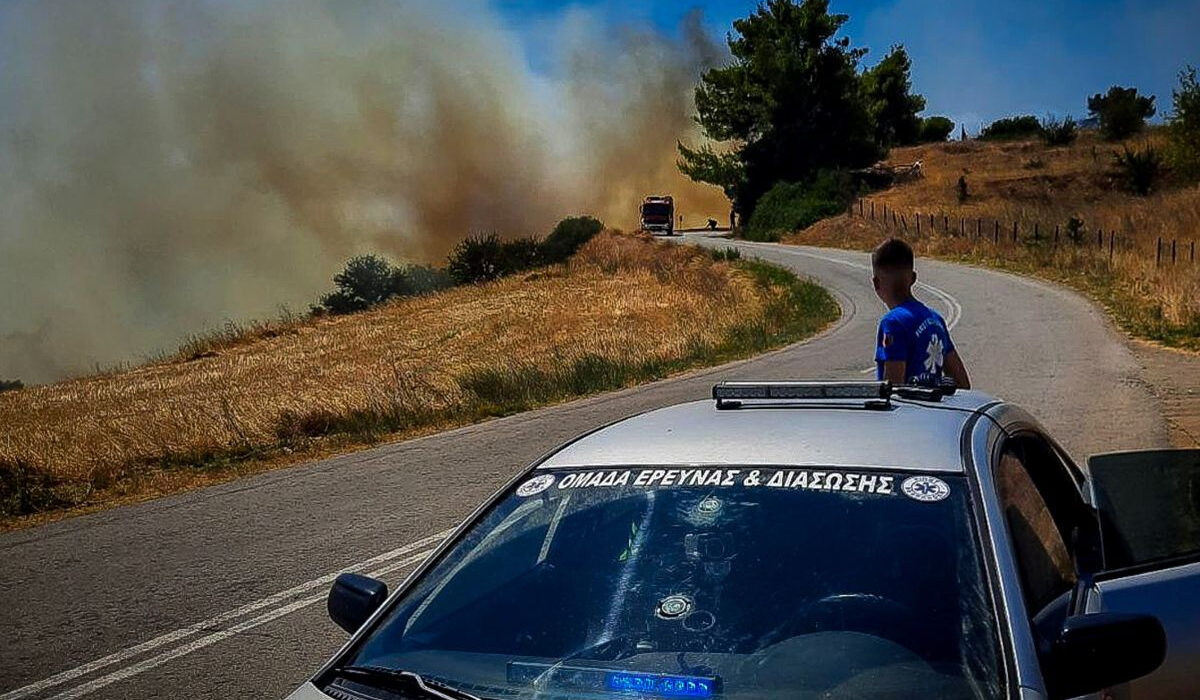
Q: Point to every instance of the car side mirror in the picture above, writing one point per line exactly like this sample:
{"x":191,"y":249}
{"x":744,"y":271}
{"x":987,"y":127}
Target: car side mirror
{"x":355,"y":598}
{"x":1101,"y":650}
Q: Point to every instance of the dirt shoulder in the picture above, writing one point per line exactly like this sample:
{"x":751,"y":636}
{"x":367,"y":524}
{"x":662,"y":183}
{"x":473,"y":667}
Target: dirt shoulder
{"x":1174,"y":377}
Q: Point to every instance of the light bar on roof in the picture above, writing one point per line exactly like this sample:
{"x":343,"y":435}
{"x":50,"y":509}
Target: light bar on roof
{"x":744,"y":391}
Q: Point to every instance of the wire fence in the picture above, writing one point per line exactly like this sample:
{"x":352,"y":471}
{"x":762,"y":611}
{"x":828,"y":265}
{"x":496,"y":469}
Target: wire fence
{"x":1001,"y":233}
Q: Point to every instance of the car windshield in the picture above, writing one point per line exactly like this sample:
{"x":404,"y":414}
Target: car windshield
{"x":733,"y":583}
{"x":656,"y":211}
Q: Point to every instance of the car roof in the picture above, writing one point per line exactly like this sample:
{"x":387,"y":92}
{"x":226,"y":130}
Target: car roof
{"x":909,"y":435}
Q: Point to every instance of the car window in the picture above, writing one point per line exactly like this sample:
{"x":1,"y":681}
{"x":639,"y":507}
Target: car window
{"x":1044,"y":562}
{"x":747,"y":582}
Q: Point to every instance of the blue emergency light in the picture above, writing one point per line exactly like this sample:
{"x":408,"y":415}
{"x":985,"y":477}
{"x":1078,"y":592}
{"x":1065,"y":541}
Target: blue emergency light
{"x":661,"y":685}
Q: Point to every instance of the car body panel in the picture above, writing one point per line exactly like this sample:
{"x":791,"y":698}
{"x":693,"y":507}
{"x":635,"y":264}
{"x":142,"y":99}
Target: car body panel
{"x":1171,"y":595}
{"x":700,"y":433}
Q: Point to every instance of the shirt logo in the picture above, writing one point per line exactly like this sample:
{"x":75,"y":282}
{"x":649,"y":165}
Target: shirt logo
{"x":934,"y":355}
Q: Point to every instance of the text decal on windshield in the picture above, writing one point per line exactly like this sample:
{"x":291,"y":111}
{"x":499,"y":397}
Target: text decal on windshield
{"x":808,"y":479}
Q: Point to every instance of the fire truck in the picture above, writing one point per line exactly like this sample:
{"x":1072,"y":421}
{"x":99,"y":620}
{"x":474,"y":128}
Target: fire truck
{"x":658,"y":214}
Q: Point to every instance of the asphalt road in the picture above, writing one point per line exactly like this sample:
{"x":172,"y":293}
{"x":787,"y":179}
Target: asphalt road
{"x":219,"y":592}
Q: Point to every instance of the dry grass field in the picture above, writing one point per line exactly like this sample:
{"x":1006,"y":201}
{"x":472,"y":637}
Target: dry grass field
{"x":625,"y":309}
{"x":1032,"y":184}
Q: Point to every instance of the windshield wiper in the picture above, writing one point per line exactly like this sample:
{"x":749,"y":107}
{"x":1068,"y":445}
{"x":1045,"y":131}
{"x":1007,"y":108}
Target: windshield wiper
{"x":395,"y":679}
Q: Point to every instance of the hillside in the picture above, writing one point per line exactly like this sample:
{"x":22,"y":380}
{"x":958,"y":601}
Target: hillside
{"x":1116,"y":257}
{"x":625,"y":309}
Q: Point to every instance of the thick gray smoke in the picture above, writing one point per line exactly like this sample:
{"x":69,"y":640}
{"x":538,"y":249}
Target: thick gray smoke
{"x":165,"y":165}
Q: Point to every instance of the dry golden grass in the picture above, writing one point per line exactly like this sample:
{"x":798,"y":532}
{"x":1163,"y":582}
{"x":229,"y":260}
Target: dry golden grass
{"x":623,"y":299}
{"x":1030,"y":183}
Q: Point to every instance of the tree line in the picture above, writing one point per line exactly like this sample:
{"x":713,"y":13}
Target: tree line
{"x":794,"y":112}
{"x":370,"y":280}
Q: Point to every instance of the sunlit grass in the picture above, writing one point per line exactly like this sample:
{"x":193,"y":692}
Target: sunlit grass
{"x":624,"y":310}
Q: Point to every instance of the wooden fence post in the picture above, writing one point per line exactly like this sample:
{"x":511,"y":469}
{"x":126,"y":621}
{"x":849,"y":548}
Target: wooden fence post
{"x":931,"y":226}
{"x":860,"y":208}
{"x":945,"y":224}
{"x":1036,"y":234}
{"x":1172,"y":251}
{"x":904,"y":223}
{"x":917,"y":218}
{"x":893,"y":217}
{"x":872,"y":210}
{"x":1014,"y":232}
{"x":997,"y":232}
{"x":962,"y":223}
{"x":1099,"y":238}
{"x":1193,"y":251}
{"x":1112,"y":238}
{"x":1158,"y":252}
{"x":1056,"y":234}
{"x":978,"y":227}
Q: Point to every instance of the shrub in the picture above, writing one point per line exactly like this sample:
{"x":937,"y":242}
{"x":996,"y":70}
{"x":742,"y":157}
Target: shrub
{"x":935,"y":129}
{"x":414,"y":280}
{"x":568,"y":236}
{"x":481,"y":258}
{"x":1034,"y":163}
{"x":791,"y":206}
{"x":368,"y":280}
{"x":1138,"y":171}
{"x":1059,"y":132}
{"x":1183,"y":127}
{"x":726,"y":254}
{"x":11,"y":384}
{"x":365,"y":281}
{"x":1026,"y":126}
{"x":26,"y":489}
{"x":1122,"y":111}
{"x":963,"y":193}
{"x":521,"y":254}
{"x":1075,"y":230}
{"x":476,"y":258}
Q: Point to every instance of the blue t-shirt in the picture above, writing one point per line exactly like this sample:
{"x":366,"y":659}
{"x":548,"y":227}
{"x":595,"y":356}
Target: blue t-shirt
{"x":916,"y":334}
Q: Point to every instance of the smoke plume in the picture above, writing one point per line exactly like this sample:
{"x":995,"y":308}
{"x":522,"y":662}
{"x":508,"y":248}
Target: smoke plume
{"x":165,"y":165}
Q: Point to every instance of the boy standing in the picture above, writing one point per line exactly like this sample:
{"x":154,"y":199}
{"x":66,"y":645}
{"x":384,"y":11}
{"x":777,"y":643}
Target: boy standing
{"x":913,"y":345}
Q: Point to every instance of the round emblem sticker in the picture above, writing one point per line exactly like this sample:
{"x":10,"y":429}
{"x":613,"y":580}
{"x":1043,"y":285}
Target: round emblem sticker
{"x":925,"y":488}
{"x":535,"y":485}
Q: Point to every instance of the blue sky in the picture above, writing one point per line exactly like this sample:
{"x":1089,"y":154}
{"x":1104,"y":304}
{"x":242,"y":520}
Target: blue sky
{"x":976,"y":60}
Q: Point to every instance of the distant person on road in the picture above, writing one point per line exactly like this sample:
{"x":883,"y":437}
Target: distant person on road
{"x":913,"y":345}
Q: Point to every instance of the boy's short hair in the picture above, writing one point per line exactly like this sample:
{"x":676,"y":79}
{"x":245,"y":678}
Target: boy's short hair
{"x":892,"y":254}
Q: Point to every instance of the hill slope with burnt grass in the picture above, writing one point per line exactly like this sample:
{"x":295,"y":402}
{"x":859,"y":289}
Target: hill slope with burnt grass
{"x":1076,"y":223}
{"x":623,"y":310}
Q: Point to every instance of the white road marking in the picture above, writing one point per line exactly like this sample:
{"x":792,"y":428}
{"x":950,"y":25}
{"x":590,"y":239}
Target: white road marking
{"x":210,"y":639}
{"x":216,"y":620}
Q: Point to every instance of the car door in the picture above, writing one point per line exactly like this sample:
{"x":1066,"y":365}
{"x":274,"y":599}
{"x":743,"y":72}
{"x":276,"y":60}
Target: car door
{"x":1149,"y":508}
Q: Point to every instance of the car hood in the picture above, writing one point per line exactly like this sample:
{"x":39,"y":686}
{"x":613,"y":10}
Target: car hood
{"x":308,"y":691}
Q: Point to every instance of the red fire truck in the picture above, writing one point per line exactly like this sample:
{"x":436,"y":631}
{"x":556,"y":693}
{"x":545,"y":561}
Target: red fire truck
{"x":658,"y":214}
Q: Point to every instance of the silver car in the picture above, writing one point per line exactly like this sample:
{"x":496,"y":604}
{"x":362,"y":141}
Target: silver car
{"x":801,"y":540}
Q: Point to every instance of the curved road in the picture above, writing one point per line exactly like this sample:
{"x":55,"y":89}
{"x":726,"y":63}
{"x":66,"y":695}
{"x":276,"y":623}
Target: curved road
{"x":219,"y":591}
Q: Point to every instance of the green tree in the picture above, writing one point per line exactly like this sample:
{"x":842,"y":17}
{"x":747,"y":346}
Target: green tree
{"x":365,"y":281}
{"x":1183,"y":127}
{"x":1122,"y":111}
{"x":1025,"y":126}
{"x":935,"y":129}
{"x":893,"y":108}
{"x":568,"y":236}
{"x":789,"y":103}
